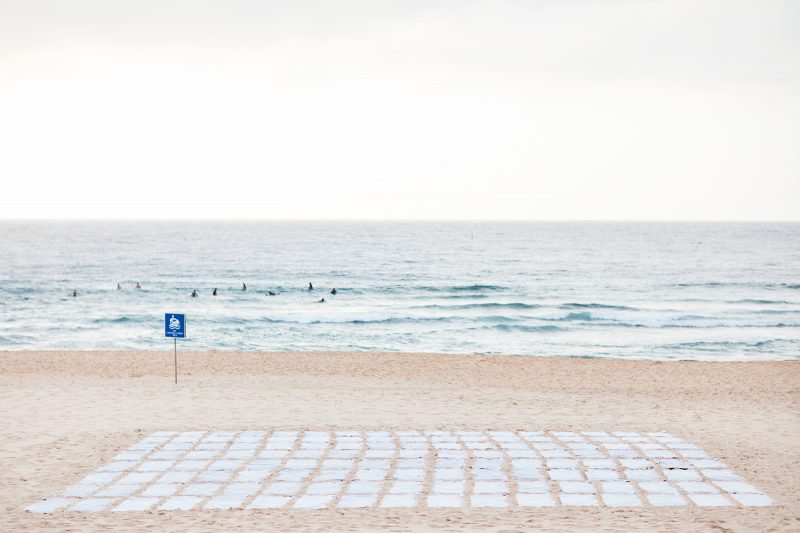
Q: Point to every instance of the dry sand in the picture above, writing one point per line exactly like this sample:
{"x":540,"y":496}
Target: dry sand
{"x":63,"y":414}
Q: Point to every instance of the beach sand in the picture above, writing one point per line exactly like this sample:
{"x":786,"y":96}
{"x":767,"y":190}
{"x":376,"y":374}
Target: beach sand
{"x":63,"y":414}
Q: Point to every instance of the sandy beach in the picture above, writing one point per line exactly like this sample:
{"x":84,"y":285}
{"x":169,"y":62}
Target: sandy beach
{"x":63,"y":414}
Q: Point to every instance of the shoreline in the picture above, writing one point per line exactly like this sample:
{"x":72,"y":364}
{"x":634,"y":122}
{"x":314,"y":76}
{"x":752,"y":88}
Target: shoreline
{"x":65,"y":413}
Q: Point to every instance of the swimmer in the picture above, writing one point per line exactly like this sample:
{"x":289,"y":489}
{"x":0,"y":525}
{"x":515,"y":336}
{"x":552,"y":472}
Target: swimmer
{"x":322,"y":301}
{"x":333,"y":291}
{"x":215,"y":292}
{"x":194,"y":294}
{"x":271,"y":293}
{"x":138,"y":286}
{"x":244,"y":287}
{"x":74,"y":293}
{"x":310,"y":286}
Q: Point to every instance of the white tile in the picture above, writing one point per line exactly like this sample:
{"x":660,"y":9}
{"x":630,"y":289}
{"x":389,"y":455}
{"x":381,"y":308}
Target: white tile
{"x":618,"y":487}
{"x":214,"y":475}
{"x":448,"y":474}
{"x":601,"y":475}
{"x":532,"y":486}
{"x":399,"y":500}
{"x":489,"y":500}
{"x":162,"y":489}
{"x":182,"y":503}
{"x":201,"y":489}
{"x":642,"y":475}
{"x":313,"y":501}
{"x":753,"y":500}
{"x":577,"y":487}
{"x":91,"y":505}
{"x":489,"y":487}
{"x":332,"y":475}
{"x":409,"y":474}
{"x":241,"y":489}
{"x":118,"y":490}
{"x":406,"y":487}
{"x":658,"y":487}
{"x":137,"y":478}
{"x":176,"y":477}
{"x":737,"y":487}
{"x":449,"y":487}
{"x":136,"y":504}
{"x":721,"y":475}
{"x":49,"y":505}
{"x":444,"y":500}
{"x":191,"y":466}
{"x":80,"y":490}
{"x":300,"y":464}
{"x":283,"y":488}
{"x":666,"y":500}
{"x":709,"y":500}
{"x":371,"y":475}
{"x":324,"y":487}
{"x":252,"y":475}
{"x":337,"y":464}
{"x":488,"y":475}
{"x":622,"y":500}
{"x":267,"y":501}
{"x":564,"y":474}
{"x":98,"y":478}
{"x":579,"y":499}
{"x":117,"y":466}
{"x":358,"y":500}
{"x":535,"y":500}
{"x":364,"y":487}
{"x":682,"y":475}
{"x":293,"y":475}
{"x":697,"y":487}
{"x":155,"y":466}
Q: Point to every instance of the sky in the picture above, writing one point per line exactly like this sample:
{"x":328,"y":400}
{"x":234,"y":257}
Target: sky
{"x":522,"y":110}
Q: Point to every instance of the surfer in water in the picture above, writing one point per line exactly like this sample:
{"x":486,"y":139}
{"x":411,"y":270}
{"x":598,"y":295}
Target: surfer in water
{"x":194,"y":294}
{"x":138,"y":286}
{"x":310,"y":286}
{"x":244,"y":287}
{"x":322,"y":301}
{"x":74,"y":293}
{"x":118,"y":286}
{"x":333,"y":291}
{"x":271,"y":293}
{"x":215,"y":292}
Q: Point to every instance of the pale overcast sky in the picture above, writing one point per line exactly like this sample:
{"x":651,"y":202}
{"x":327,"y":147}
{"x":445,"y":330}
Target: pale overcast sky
{"x":562,"y":109}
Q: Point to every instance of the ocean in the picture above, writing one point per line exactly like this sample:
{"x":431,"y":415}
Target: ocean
{"x":703,"y":291}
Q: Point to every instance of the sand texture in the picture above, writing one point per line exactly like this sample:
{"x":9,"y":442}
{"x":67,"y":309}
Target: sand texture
{"x":64,"y":414}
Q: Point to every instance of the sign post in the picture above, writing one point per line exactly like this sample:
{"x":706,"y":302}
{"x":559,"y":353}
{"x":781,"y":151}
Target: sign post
{"x":175,"y":327}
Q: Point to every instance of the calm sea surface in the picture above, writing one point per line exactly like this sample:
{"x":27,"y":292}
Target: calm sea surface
{"x":628,"y":290}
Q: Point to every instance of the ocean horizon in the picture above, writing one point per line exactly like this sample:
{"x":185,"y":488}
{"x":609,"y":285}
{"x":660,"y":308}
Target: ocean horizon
{"x":639,"y":290}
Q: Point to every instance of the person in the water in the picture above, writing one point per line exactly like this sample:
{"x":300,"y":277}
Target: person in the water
{"x":118,"y":286}
{"x":333,"y":291}
{"x":244,"y":287}
{"x":322,"y":301}
{"x":271,"y":293}
{"x":138,"y":286}
{"x":194,"y":294}
{"x":74,"y":293}
{"x":215,"y":292}
{"x":310,"y":286}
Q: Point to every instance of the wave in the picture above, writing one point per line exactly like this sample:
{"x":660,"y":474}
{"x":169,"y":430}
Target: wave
{"x":757,"y":301}
{"x":574,"y":305}
{"x":487,"y":305}
{"x":459,"y":288}
{"x":522,"y":327}
{"x":721,"y":345}
{"x":771,"y":286}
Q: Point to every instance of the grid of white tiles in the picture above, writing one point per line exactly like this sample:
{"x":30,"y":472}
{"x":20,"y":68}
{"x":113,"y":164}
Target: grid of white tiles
{"x":349,"y":469}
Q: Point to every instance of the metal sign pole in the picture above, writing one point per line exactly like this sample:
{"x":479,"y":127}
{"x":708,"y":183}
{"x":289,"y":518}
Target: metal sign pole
{"x":176,"y":359}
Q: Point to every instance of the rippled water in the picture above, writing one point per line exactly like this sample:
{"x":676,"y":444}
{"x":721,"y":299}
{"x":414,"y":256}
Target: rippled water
{"x":646,"y":290}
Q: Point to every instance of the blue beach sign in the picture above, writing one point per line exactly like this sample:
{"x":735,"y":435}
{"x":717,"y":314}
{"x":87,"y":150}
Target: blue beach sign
{"x":175,"y":325}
